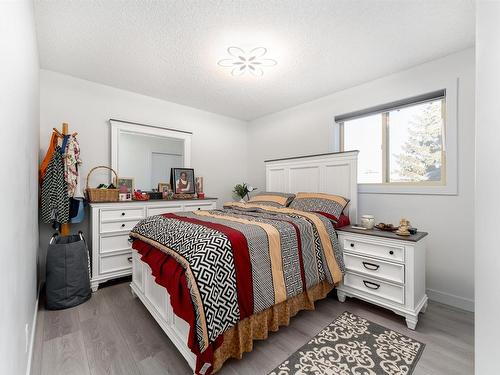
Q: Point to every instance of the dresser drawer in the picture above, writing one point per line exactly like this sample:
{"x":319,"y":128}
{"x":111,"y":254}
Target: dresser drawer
{"x":118,"y":226}
{"x":122,"y":214}
{"x":111,"y":244}
{"x":377,"y":250}
{"x":199,"y":206}
{"x":394,"y":272}
{"x":378,"y":288}
{"x":115,"y":263}
{"x":164,"y":209}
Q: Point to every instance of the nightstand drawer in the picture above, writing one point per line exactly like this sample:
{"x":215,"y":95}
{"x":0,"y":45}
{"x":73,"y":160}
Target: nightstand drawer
{"x":388,"y":291}
{"x":394,"y":272}
{"x":374,"y":249}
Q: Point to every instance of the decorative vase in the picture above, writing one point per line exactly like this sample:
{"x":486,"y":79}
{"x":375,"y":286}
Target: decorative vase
{"x":367,"y":221}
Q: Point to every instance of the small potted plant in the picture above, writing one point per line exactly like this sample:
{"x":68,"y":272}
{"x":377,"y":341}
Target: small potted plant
{"x":242,"y":191}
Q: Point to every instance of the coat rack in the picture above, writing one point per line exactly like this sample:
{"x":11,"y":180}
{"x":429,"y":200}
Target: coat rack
{"x":65,"y":228}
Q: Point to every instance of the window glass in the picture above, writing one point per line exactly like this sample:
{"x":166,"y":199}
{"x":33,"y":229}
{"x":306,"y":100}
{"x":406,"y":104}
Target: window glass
{"x":365,"y":134}
{"x":403,"y":145}
{"x":415,"y":143}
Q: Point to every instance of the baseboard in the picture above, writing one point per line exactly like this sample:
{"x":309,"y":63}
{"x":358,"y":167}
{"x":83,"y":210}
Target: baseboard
{"x":451,"y":299}
{"x":33,"y":332}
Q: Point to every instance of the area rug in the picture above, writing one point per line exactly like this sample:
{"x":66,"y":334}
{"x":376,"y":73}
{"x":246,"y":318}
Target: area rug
{"x":353,"y":345}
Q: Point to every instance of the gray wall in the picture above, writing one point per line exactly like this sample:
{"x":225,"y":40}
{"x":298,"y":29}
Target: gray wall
{"x":19,"y":118}
{"x":487,"y":328}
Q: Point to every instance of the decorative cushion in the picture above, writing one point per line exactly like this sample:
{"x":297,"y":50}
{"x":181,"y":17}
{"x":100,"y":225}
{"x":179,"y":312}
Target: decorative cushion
{"x":272,"y":199}
{"x":343,"y":221}
{"x":329,"y":205}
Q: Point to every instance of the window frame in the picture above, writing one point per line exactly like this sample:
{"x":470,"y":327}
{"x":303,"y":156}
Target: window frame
{"x":449,"y":176}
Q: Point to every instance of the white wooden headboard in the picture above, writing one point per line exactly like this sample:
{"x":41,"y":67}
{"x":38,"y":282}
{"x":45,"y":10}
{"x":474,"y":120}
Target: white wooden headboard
{"x":333,"y":173}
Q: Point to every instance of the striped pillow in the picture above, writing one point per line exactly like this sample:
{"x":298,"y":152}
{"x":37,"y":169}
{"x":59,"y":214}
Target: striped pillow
{"x":272,"y":199}
{"x":329,"y":205}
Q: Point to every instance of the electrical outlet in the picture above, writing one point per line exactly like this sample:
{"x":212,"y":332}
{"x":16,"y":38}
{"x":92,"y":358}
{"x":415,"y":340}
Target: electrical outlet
{"x":27,"y":336}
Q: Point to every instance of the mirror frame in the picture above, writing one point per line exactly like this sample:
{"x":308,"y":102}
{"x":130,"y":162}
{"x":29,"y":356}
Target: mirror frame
{"x":119,"y":126}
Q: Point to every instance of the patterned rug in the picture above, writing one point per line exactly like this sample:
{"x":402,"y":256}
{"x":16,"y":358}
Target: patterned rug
{"x":353,"y":345}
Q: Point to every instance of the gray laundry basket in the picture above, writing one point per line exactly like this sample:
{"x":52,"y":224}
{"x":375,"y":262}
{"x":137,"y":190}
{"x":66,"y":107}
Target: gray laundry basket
{"x":67,"y":272}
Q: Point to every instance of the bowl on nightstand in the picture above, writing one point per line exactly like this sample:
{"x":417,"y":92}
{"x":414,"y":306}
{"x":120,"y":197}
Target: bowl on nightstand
{"x":367,"y":221}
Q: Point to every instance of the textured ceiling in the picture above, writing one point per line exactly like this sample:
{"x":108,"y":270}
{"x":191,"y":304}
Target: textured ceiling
{"x":170,"y":49}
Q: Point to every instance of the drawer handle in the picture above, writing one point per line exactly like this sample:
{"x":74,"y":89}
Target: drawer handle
{"x":123,"y":213}
{"x":352,"y":245}
{"x":129,"y":259}
{"x":371,"y":266}
{"x":391,"y":252}
{"x":123,"y":225}
{"x":371,"y":285}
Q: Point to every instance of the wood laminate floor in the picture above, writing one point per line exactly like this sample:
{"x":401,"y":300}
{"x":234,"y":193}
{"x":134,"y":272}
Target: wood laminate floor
{"x":113,"y":333}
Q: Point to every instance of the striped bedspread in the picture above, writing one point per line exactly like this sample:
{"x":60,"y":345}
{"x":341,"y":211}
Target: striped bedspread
{"x":244,"y":258}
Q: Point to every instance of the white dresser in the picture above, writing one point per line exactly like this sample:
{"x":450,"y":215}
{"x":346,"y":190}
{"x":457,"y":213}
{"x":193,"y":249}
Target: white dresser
{"x":385,"y":269}
{"x":110,"y":226}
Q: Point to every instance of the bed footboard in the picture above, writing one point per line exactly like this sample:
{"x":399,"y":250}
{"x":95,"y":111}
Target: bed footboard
{"x":157,"y":301}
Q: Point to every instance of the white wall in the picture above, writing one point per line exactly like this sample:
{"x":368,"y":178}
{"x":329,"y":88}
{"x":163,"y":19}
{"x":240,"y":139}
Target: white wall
{"x":19,"y":117}
{"x":308,"y":129}
{"x":218,"y":142}
{"x":487,"y":204}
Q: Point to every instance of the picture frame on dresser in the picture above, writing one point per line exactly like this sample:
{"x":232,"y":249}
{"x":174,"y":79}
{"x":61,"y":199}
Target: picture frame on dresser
{"x":164,"y":187}
{"x":385,"y":269}
{"x":125,"y":184}
{"x":182,"y":180}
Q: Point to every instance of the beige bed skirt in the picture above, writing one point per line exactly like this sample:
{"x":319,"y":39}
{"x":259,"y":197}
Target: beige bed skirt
{"x":239,"y":339}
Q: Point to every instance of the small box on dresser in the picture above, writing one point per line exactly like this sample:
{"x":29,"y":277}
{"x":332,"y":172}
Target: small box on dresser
{"x":111,"y":253}
{"x":385,"y":269}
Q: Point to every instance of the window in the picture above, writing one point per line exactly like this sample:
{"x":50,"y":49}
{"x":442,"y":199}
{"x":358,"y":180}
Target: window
{"x":399,"y":143}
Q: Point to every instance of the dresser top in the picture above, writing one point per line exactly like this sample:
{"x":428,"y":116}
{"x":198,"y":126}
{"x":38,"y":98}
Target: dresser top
{"x":380,"y":233}
{"x":155,"y":201}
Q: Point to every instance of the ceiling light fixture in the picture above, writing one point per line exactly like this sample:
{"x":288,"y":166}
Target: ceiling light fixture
{"x":242,"y":61}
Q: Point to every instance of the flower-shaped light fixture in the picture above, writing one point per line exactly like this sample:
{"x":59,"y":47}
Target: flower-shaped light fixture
{"x":242,"y":61}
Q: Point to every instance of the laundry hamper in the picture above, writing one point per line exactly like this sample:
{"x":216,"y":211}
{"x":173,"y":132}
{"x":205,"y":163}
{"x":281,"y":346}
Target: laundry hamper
{"x":67,"y":281}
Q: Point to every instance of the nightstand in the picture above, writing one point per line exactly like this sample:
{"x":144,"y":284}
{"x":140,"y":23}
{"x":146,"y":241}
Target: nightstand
{"x":385,"y":269}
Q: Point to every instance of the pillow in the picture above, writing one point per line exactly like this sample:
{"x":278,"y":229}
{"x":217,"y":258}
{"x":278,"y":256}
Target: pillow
{"x":343,"y":221}
{"x":328,"y":205}
{"x":272,"y":199}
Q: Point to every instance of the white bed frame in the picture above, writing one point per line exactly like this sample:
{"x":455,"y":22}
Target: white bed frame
{"x":334,"y":173}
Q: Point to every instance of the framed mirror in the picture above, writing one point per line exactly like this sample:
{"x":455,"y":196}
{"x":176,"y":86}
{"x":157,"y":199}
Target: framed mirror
{"x":147,"y":153}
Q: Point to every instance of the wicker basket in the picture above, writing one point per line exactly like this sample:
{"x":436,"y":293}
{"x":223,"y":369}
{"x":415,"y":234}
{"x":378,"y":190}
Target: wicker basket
{"x":102,"y":195}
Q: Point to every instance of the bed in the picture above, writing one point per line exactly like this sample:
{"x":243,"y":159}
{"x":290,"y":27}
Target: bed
{"x":217,"y":280}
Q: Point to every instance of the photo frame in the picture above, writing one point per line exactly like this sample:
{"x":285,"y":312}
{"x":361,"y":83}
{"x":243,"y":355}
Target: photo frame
{"x":125,"y":197}
{"x":199,"y":184}
{"x":125,"y":184}
{"x":164,"y":187}
{"x":182,"y":180}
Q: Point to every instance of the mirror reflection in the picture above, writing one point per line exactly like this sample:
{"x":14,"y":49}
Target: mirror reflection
{"x":148,"y":158}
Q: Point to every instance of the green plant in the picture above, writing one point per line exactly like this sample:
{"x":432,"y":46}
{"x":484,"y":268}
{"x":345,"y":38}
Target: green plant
{"x":242,"y":190}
